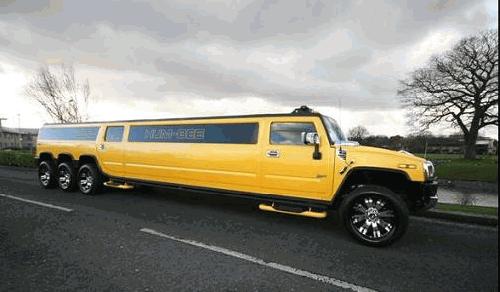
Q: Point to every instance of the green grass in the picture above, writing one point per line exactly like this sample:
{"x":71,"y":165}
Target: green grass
{"x":478,"y":210}
{"x":16,"y":158}
{"x":454,"y":167}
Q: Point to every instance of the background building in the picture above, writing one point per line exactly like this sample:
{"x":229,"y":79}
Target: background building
{"x":11,"y":138}
{"x":453,"y":144}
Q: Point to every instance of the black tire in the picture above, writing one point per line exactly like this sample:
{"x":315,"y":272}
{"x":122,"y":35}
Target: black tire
{"x":46,"y":174}
{"x":89,"y":179}
{"x":374,"y":215}
{"x":66,"y":177}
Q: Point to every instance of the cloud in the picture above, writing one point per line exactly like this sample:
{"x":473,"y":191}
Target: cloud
{"x":278,"y":53}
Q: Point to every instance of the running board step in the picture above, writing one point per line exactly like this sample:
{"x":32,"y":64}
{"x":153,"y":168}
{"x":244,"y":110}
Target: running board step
{"x":117,"y":185}
{"x":305,"y":213}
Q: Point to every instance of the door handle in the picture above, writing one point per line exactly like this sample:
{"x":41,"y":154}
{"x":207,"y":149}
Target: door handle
{"x":100,"y":147}
{"x":273,"y":153}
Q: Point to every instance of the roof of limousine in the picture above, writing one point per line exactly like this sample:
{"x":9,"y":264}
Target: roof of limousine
{"x":302,"y":111}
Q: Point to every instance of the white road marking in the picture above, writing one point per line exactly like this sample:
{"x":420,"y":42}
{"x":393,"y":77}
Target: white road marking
{"x":37,"y":203}
{"x":276,"y":266}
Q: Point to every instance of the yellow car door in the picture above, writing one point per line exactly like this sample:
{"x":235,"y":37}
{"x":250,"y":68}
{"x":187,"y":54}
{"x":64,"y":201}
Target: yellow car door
{"x":289,"y":167}
{"x":110,"y":151}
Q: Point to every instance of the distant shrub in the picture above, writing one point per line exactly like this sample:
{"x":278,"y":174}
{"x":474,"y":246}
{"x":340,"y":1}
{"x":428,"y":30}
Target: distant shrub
{"x":468,"y":200}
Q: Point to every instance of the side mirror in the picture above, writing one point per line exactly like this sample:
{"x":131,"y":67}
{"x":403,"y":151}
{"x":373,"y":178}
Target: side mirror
{"x":310,"y":138}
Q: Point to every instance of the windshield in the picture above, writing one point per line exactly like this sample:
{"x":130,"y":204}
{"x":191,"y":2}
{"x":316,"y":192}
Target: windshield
{"x":333,"y":130}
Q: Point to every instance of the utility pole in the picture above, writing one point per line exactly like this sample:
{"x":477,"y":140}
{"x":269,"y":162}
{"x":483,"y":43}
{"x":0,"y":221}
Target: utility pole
{"x":19,"y":131}
{"x":425,"y":150}
{"x":1,"y":136}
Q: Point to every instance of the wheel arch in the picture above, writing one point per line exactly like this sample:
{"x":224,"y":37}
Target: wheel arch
{"x":89,"y":158}
{"x":397,"y":181}
{"x":65,"y":157}
{"x":45,"y":156}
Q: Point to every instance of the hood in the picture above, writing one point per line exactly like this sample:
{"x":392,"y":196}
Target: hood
{"x":367,"y":150}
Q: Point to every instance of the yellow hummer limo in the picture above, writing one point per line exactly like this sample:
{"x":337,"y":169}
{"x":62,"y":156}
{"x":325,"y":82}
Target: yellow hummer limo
{"x":298,"y":163}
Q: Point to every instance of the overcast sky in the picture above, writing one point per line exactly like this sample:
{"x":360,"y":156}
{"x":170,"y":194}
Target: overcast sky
{"x":149,"y":59}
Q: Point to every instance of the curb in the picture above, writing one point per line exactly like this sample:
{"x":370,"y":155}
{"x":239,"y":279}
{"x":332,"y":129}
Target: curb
{"x":461,"y":217}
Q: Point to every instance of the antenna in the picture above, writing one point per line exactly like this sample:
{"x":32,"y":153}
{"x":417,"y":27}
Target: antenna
{"x":340,"y":112}
{"x":341,"y":152}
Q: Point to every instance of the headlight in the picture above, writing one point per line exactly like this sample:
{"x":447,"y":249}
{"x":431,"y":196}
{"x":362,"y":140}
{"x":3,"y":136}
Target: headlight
{"x":429,"y":169}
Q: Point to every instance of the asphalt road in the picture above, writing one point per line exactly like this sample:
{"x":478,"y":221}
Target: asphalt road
{"x":209,"y":243}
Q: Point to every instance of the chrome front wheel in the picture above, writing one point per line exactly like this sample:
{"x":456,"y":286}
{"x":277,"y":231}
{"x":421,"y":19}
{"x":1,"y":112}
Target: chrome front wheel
{"x":374,"y":215}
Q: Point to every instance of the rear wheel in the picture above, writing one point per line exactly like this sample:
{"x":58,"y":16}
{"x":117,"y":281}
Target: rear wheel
{"x":66,"y":177}
{"x":89,"y":179}
{"x":46,"y":174}
{"x":374,"y":215}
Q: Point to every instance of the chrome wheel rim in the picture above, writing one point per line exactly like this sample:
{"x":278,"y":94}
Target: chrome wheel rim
{"x":44,"y":175}
{"x":373,"y":217}
{"x":64,"y":177}
{"x":85,"y":180}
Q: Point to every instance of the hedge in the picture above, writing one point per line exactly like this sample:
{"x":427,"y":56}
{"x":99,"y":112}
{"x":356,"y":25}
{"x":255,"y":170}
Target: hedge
{"x":17,"y":158}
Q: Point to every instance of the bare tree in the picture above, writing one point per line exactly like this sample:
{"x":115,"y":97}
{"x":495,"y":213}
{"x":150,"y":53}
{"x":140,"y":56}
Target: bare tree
{"x":459,"y":87}
{"x":358,"y":133}
{"x":63,"y":97}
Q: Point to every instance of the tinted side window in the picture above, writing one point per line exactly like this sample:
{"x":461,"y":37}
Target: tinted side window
{"x":69,"y":133}
{"x":114,"y":134}
{"x":289,"y":133}
{"x":246,"y":133}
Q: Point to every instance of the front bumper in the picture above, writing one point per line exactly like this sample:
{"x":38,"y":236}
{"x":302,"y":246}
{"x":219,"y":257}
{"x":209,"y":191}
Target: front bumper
{"x":429,"y":195}
{"x":423,"y":195}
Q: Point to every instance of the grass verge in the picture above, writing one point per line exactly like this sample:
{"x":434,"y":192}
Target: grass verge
{"x":16,"y":158}
{"x":454,"y":167}
{"x":476,"y":210}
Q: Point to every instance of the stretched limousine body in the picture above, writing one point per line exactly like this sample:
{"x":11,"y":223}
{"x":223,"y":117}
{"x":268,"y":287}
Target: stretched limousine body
{"x":298,"y":163}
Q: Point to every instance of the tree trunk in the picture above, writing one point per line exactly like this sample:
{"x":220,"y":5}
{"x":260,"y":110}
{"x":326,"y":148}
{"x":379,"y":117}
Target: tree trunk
{"x":470,"y":145}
